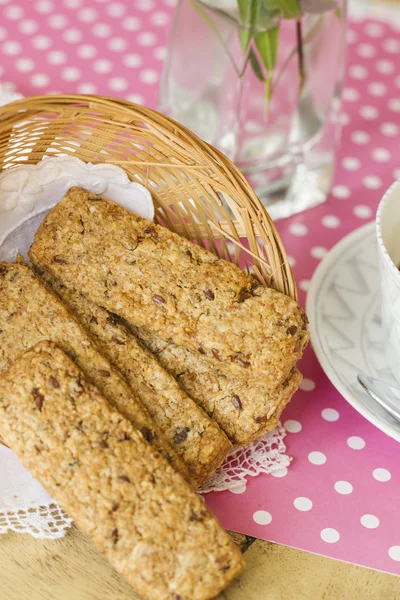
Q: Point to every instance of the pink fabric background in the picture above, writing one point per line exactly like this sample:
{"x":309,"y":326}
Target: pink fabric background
{"x":117,"y":48}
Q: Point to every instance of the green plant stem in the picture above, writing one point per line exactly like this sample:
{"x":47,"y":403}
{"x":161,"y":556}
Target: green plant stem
{"x":300,"y":54}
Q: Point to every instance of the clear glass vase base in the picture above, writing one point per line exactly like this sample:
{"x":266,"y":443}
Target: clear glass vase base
{"x":304,"y":189}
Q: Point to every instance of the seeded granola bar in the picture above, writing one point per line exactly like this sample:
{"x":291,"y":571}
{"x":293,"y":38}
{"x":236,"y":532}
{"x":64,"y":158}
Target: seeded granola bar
{"x":244,"y":408}
{"x":29,"y":313}
{"x":139,"y":512}
{"x":180,"y":292}
{"x":198,"y":440}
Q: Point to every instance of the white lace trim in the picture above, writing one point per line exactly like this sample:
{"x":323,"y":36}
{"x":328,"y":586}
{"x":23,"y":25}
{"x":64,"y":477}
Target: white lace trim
{"x":43,"y":522}
{"x":263,"y":456}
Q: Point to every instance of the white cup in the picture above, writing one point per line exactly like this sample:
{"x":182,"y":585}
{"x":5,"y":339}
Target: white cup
{"x":388,"y":233}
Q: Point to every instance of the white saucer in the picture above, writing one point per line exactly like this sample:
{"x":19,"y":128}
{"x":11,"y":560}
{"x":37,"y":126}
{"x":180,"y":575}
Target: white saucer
{"x":343,"y":305}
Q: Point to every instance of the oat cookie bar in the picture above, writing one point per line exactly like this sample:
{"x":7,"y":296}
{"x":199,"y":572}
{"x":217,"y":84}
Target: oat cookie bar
{"x":179,"y":291}
{"x":139,"y":512}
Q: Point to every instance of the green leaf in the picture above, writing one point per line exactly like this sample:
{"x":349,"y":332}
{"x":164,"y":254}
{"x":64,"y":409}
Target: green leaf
{"x":287,"y":9}
{"x":267,"y":46}
{"x":256,"y":65}
{"x":245,"y":12}
{"x":244,"y":38}
{"x":290,"y":9}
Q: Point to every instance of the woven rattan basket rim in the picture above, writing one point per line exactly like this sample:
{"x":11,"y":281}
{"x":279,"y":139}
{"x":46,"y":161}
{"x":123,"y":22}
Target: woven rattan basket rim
{"x":202,"y":172}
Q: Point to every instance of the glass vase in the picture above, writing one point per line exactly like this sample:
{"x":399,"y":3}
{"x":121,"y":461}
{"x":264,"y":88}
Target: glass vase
{"x":280,"y":125}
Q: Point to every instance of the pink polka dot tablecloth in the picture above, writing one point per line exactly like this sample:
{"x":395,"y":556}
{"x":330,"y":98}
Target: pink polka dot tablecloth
{"x":340,"y":495}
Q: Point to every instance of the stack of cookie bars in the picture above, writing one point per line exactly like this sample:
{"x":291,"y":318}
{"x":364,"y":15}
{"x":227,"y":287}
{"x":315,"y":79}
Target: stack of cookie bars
{"x":132,"y":362}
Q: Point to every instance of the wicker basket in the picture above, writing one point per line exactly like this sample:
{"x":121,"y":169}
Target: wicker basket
{"x":197,"y":191}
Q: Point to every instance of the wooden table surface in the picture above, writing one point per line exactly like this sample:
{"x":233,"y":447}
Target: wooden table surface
{"x":72,"y":569}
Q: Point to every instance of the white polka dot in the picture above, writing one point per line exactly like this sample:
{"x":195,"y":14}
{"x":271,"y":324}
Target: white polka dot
{"x":41,"y":42}
{"x":318,"y":252}
{"x":240,"y":489}
{"x":303,"y":504}
{"x":304,"y":285}
{"x":291,"y":261}
{"x":372,"y":182}
{"x":374,"y":30}
{"x":369,"y":521}
{"x":298,"y":229}
{"x":292,"y":426}
{"x":160,"y":53}
{"x":13,"y":12}
{"x":101,"y":30}
{"x":343,"y":487}
{"x":396,"y":173}
{"x":382,"y":475}
{"x":72,"y":4}
{"x":350,"y":163}
{"x":115,"y":10}
{"x":102,"y":65}
{"x":24,"y":65}
{"x":317,"y":458}
{"x":330,"y":221}
{"x":159,"y":19}
{"x":350,"y":95}
{"x":3,"y":33}
{"x":57,"y":21}
{"x":377,"y":89}
{"x":330,"y":414}
{"x":394,"y":104}
{"x":40,"y":80}
{"x":136,"y":98}
{"x":394,"y":553}
{"x":86,"y":88}
{"x":56,"y":57}
{"x":329,"y":535}
{"x":131,"y":24}
{"x":70,"y":73}
{"x":117,"y":84}
{"x":117,"y":44}
{"x":86,"y":51}
{"x":381,"y":155}
{"x":262,"y":517}
{"x":341,"y":191}
{"x":369,"y":112}
{"x":355,"y":442}
{"x":132,"y":60}
{"x":72,"y":36}
{"x":11,"y":48}
{"x":279,"y":472}
{"x":389,"y":129}
{"x":386,"y":67}
{"x":171,"y":2}
{"x":44,"y":6}
{"x":360,"y":137}
{"x":145,"y":5}
{"x":366,"y":50}
{"x":87,"y":15}
{"x":149,"y":76}
{"x":358,"y":72}
{"x":344,"y":118}
{"x":147,"y":38}
{"x":391,"y":45}
{"x":362,"y":211}
{"x":28,"y":26}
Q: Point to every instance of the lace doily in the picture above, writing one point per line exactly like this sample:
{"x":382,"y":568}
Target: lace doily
{"x":266,"y":455}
